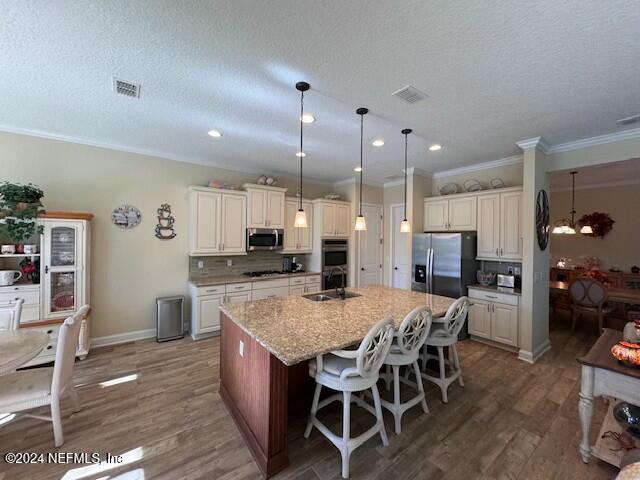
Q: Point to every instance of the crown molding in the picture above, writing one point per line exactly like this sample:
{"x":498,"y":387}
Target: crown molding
{"x":598,"y":140}
{"x":502,"y":162}
{"x":535,"y":142}
{"x":346,"y":181}
{"x":591,"y":186}
{"x":152,"y":153}
{"x":393,"y":183}
{"x":418,"y":171}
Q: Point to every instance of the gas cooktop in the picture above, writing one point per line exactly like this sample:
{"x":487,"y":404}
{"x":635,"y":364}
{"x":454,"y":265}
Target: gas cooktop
{"x":264,"y":273}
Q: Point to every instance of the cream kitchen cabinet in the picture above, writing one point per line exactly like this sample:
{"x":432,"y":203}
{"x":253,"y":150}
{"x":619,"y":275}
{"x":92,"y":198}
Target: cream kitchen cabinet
{"x":494,"y":316}
{"x":217,"y":222}
{"x":297,"y":240}
{"x":265,"y":206}
{"x":332,"y":218}
{"x":452,"y":214}
{"x":500,"y":226}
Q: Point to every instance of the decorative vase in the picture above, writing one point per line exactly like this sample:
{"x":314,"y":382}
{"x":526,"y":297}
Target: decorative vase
{"x":20,"y":248}
{"x":7,"y":249}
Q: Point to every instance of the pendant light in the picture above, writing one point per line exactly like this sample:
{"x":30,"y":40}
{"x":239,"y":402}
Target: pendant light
{"x":361,"y":223}
{"x":301,"y":217}
{"x":567,"y":226}
{"x":405,"y":226}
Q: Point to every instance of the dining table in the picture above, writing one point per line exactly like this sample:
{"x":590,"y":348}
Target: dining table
{"x":17,"y":347}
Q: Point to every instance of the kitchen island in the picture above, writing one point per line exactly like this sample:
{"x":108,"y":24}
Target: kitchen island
{"x":265,"y":346}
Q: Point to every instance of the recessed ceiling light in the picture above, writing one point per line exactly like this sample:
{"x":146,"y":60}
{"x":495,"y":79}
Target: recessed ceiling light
{"x":435,"y":147}
{"x":357,"y":169}
{"x":307,"y":118}
{"x":301,"y":154}
{"x":378,"y":142}
{"x":214,"y":133}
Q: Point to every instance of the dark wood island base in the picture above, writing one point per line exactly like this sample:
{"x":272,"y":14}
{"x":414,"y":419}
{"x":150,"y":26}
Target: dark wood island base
{"x":256,"y":388}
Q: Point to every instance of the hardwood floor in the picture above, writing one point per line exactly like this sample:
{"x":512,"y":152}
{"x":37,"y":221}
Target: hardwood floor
{"x":157,"y":404}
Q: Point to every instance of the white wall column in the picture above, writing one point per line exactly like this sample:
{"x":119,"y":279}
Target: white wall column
{"x":534,"y":311}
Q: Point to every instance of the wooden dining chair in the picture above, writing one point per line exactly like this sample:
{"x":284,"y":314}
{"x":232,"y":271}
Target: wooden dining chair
{"x":588,"y":296}
{"x":10,"y":315}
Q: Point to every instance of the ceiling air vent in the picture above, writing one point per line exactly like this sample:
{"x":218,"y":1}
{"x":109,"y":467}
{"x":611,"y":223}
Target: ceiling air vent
{"x":628,"y":120}
{"x":410,"y":94}
{"x":123,"y":87}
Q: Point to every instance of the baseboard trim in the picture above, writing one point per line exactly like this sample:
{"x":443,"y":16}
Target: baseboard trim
{"x":533,"y":357}
{"x":123,"y":338}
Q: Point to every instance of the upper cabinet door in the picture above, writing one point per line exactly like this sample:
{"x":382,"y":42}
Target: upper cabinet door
{"x":436,"y":215}
{"x":290,"y":241}
{"x":275,"y":209}
{"x":489,"y":226}
{"x":328,"y":219}
{"x":205,"y":223}
{"x":305,"y":237}
{"x":343,"y":220}
{"x":511,"y":226}
{"x":257,"y":208}
{"x":462,"y":213}
{"x":233,"y":224}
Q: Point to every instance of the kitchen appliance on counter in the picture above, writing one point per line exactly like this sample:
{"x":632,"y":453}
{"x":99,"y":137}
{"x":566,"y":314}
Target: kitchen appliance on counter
{"x":508,"y":281}
{"x":444,"y":264}
{"x":335,"y":256}
{"x":264,"y":239}
{"x":289,"y":265}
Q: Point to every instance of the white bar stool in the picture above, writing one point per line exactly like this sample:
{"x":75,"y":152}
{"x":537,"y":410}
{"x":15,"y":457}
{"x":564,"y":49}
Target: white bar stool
{"x":405,"y":351}
{"x":349,"y":371}
{"x":445,"y":334}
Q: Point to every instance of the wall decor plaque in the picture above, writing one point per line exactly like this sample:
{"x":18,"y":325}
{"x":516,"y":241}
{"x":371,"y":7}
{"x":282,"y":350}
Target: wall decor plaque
{"x":126,"y":216}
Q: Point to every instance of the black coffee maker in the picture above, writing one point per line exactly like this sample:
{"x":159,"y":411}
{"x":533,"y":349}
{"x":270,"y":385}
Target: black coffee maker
{"x":287,"y":264}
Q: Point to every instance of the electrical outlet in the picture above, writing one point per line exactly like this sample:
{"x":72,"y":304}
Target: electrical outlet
{"x":241,"y":348}
{"x":510,"y":271}
{"x":200,"y":264}
{"x":516,"y":270}
{"x":229,"y":263}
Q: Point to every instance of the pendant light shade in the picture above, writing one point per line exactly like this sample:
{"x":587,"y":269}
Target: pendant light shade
{"x":361,"y":223}
{"x":586,"y":230}
{"x":405,"y":226}
{"x":301,"y":217}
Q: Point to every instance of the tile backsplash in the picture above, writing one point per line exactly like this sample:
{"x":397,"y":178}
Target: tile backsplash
{"x":500,"y":267}
{"x":253,"y":261}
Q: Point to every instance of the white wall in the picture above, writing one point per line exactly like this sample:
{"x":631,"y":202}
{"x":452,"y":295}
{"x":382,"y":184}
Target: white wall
{"x":129,"y":268}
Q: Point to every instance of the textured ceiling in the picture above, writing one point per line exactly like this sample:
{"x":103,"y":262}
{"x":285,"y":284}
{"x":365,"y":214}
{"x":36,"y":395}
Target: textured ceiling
{"x":495,"y":72}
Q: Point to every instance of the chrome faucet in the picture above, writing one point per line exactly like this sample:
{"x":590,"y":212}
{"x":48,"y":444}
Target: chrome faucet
{"x":340,"y":291}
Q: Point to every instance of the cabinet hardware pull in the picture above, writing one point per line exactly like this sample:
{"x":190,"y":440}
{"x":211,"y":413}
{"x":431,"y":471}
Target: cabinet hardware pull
{"x":488,"y":307}
{"x":497,"y":254}
{"x":491,"y":296}
{"x":501,"y":250}
{"x":49,"y":332}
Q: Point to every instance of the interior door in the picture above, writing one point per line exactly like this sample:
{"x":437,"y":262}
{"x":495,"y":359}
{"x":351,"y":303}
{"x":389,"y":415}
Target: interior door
{"x":446,"y":264}
{"x":233,"y":226}
{"x":400,"y":251}
{"x":489,"y":226}
{"x":370,"y":247}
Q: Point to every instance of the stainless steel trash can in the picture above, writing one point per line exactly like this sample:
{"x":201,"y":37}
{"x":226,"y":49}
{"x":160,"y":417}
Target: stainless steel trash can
{"x":170,"y":318}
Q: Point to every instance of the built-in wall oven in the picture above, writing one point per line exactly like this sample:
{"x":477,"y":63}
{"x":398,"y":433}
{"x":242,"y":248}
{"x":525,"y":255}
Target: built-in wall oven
{"x":264,"y":239}
{"x":335,"y":263}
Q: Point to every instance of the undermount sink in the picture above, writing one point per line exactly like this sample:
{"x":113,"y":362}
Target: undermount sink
{"x":325,"y":296}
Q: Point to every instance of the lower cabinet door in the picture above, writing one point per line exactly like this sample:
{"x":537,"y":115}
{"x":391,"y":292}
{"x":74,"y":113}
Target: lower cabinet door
{"x":504,"y":324}
{"x":313,"y":288}
{"x":296,"y":290}
{"x":480,"y":318}
{"x":209,"y":313}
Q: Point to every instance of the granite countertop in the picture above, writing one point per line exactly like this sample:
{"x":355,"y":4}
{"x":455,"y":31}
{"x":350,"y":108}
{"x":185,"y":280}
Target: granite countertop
{"x":224,"y":279}
{"x":295,"y":329}
{"x":495,"y":288}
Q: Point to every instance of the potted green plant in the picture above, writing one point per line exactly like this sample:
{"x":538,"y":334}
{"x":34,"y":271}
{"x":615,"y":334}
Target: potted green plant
{"x":20,"y":205}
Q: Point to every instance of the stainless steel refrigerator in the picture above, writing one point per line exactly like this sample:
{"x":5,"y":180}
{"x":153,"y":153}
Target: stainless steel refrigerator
{"x":444,"y":263}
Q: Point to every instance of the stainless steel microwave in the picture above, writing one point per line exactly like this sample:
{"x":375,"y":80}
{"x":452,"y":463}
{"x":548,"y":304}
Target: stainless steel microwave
{"x":264,"y":239}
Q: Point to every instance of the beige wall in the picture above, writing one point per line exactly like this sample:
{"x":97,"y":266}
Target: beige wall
{"x":510,"y":174}
{"x":594,"y":155}
{"x":129,"y":268}
{"x":620,"y":246}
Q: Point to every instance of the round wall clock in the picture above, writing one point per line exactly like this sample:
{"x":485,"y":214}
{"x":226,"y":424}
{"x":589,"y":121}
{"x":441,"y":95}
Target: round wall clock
{"x":542,"y":219}
{"x":126,"y":216}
